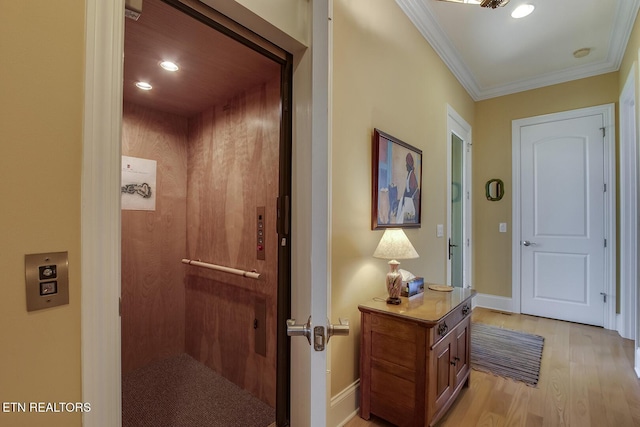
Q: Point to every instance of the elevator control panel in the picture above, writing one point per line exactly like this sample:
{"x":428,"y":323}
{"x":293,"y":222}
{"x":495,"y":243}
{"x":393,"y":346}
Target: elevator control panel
{"x":47,"y":280}
{"x":260,"y":247}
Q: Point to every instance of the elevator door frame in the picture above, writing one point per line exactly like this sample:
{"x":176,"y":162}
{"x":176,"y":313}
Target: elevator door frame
{"x":221,"y":23}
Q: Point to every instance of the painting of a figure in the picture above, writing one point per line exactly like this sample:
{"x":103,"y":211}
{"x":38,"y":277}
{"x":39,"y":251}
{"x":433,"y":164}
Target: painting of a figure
{"x":397,"y":178}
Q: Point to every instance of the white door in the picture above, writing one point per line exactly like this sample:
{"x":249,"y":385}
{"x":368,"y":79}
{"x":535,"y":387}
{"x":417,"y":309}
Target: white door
{"x":562,"y":185}
{"x":459,"y":206}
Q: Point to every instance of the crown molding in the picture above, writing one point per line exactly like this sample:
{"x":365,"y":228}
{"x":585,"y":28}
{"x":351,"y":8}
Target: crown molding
{"x":421,"y":15}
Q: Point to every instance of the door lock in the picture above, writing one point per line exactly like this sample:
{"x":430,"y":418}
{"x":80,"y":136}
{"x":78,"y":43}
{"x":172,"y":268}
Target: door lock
{"x":318,"y":338}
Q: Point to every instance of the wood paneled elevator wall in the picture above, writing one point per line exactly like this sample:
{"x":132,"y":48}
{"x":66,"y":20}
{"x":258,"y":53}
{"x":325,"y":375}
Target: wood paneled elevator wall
{"x":214,"y":170}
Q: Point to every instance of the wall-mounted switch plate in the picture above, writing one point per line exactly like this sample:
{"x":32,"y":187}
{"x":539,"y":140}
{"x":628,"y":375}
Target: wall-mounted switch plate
{"x":439,"y":230}
{"x":502,"y":227}
{"x":260,"y":232}
{"x":47,"y":280}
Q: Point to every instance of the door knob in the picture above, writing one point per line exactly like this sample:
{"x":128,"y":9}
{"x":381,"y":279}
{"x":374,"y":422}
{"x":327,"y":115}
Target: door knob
{"x":339,"y":330}
{"x":528,"y":243}
{"x":451,"y":246}
{"x":294,"y":330}
{"x":318,"y":332}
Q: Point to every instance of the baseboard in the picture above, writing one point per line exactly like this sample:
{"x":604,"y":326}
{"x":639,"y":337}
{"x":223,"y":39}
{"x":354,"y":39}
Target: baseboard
{"x":493,"y":302}
{"x":620,"y":325}
{"x":344,"y":406}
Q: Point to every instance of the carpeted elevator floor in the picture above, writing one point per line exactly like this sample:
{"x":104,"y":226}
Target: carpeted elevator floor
{"x":181,"y":392}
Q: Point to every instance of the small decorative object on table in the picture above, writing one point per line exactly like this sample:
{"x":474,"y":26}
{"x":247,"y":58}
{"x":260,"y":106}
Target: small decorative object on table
{"x":394,"y":245}
{"x":412,"y":287}
{"x":441,"y":288}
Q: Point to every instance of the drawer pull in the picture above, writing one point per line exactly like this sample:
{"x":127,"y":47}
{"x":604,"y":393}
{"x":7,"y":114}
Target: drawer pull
{"x":465,"y":310}
{"x":442,"y":329}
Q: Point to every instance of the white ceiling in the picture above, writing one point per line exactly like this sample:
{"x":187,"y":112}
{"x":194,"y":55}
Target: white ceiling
{"x":493,"y":54}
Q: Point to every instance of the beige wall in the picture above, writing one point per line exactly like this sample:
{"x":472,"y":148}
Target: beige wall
{"x":41,"y":87}
{"x":282,"y":22}
{"x":386,"y":76}
{"x":492,"y":159}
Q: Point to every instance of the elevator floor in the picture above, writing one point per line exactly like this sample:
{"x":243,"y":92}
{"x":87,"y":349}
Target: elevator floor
{"x":181,"y":392}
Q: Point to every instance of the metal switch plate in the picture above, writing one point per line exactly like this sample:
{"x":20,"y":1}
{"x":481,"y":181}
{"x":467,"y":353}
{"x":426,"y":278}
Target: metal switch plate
{"x":260,"y":233}
{"x":47,"y":280}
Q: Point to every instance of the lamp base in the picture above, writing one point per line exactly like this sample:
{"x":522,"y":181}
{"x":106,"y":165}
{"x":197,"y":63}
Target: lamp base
{"x":394,"y":301}
{"x":394,"y":283}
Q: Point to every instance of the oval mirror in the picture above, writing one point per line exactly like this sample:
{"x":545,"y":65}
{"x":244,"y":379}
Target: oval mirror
{"x":494,"y":189}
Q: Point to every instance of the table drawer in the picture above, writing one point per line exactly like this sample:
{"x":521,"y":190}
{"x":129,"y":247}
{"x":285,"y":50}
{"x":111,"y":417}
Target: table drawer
{"x":450,"y":321}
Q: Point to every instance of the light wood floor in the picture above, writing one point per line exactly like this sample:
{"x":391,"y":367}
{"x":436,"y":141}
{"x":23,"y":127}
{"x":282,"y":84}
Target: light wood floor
{"x":586,"y":380}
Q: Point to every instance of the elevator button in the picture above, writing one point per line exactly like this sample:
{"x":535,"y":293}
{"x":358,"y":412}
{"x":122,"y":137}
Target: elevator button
{"x":47,"y":272}
{"x":48,"y":288}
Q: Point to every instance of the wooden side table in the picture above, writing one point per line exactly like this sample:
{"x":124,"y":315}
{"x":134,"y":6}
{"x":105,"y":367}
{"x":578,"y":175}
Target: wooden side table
{"x":414,"y":357}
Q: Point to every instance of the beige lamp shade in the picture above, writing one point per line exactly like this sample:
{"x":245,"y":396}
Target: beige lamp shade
{"x":395,"y":245}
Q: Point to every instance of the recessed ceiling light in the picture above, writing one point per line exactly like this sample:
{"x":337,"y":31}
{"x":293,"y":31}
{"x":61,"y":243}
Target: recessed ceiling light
{"x":581,"y":53}
{"x":169,"y":66}
{"x":522,"y":11}
{"x":143,"y":86}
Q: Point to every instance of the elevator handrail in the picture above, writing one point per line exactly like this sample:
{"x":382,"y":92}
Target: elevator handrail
{"x":249,"y":274}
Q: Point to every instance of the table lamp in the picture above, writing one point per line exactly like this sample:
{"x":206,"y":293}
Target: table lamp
{"x":393,"y":246}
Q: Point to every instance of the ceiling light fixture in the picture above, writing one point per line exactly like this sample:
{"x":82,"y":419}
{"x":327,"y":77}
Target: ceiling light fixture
{"x":581,"y":53}
{"x":143,"y":86}
{"x":484,"y":3}
{"x":522,"y":11}
{"x":169,"y":66}
{"x":494,"y":3}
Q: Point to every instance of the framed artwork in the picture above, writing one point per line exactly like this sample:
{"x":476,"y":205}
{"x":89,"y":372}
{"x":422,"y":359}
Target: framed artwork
{"x":397,"y":183}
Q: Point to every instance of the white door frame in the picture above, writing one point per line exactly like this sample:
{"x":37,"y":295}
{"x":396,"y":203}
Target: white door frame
{"x":628,"y":207}
{"x":309,"y":400}
{"x":100,"y":211}
{"x":458,"y":126}
{"x":607,"y":112}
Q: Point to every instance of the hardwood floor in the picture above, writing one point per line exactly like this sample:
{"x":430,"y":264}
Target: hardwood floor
{"x":586,"y":380}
